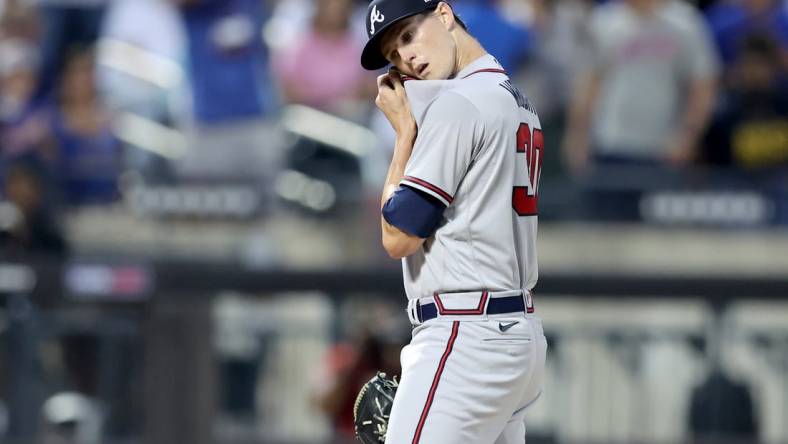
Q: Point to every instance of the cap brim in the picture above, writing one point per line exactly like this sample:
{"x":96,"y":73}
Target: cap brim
{"x":371,"y":57}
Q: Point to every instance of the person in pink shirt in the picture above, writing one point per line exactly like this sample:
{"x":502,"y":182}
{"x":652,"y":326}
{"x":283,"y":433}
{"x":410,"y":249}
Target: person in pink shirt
{"x":320,"y":68}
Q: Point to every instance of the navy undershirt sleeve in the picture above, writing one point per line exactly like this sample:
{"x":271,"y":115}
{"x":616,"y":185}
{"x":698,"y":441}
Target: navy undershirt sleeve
{"x":413,"y":211}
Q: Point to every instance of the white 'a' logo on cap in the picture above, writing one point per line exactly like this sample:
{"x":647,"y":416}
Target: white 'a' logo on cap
{"x":375,"y":17}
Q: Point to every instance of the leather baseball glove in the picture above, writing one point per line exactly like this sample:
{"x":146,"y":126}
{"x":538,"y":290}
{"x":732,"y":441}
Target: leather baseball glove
{"x":373,"y":407}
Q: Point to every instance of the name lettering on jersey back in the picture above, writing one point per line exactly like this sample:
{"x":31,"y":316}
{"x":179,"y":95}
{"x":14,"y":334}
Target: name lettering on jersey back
{"x":521,"y":100}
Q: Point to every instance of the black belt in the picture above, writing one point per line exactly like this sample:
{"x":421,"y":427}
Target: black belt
{"x":508,"y":304}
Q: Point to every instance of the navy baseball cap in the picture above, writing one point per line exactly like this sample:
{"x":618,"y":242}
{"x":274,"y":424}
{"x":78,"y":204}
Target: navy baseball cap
{"x":382,"y":15}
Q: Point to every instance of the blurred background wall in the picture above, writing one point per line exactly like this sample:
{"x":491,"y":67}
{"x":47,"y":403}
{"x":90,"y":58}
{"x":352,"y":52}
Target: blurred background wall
{"x":189,"y":197}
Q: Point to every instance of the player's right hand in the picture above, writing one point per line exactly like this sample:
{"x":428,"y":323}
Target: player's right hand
{"x":393,"y":101}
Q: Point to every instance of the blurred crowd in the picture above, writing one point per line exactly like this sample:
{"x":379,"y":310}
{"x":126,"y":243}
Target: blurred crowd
{"x":102,"y":97}
{"x":97,"y":95}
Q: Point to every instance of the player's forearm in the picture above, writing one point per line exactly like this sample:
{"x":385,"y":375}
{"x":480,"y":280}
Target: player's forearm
{"x":399,"y":160}
{"x":397,"y":243}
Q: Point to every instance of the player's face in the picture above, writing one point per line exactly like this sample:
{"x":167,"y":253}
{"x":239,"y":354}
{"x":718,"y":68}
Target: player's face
{"x":422,"y":46}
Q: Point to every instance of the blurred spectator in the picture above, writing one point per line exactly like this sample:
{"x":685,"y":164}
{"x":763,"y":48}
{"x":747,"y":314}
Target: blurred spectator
{"x":733,"y":20}
{"x":349,"y":365}
{"x":321,"y":69}
{"x":143,"y":45}
{"x":23,"y":129}
{"x":228,"y":63}
{"x":65,"y":24}
{"x":507,"y":40}
{"x":233,"y":138}
{"x":89,"y":155}
{"x":560,"y":36}
{"x":751,"y":128}
{"x":28,"y":226}
{"x":141,"y":75}
{"x":18,"y":65}
{"x":18,"y":19}
{"x":288,"y":20}
{"x":561,"y":31}
{"x":648,"y":92}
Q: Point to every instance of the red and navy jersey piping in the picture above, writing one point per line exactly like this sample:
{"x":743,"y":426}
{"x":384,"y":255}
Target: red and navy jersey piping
{"x":492,"y":70}
{"x":435,"y":189}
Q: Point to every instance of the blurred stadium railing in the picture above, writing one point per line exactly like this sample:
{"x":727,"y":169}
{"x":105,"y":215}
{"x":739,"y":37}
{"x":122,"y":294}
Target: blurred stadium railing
{"x":633,"y":357}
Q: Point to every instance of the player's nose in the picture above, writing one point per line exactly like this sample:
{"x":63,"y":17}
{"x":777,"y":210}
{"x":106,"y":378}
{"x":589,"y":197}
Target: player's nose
{"x":407,"y":55}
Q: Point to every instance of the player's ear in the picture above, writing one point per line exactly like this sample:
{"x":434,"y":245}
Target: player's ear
{"x":446,"y":16}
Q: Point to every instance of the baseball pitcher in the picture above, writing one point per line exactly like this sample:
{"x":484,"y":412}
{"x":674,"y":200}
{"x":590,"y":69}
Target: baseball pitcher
{"x":459,"y":206}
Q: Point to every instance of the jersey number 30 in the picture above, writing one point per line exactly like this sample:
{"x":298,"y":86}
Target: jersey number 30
{"x":525,"y":199}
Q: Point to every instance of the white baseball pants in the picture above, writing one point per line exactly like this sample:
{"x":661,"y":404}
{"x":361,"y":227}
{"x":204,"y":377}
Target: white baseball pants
{"x":469,"y":382}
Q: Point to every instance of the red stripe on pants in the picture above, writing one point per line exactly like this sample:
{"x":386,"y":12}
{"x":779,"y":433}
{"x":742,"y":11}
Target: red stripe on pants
{"x":454,"y":329}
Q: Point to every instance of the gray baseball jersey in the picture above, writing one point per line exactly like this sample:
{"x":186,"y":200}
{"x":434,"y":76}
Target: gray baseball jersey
{"x":478,"y":151}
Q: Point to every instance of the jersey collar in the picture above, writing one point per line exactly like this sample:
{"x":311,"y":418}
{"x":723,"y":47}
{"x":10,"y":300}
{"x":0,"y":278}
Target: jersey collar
{"x":485,"y":63}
